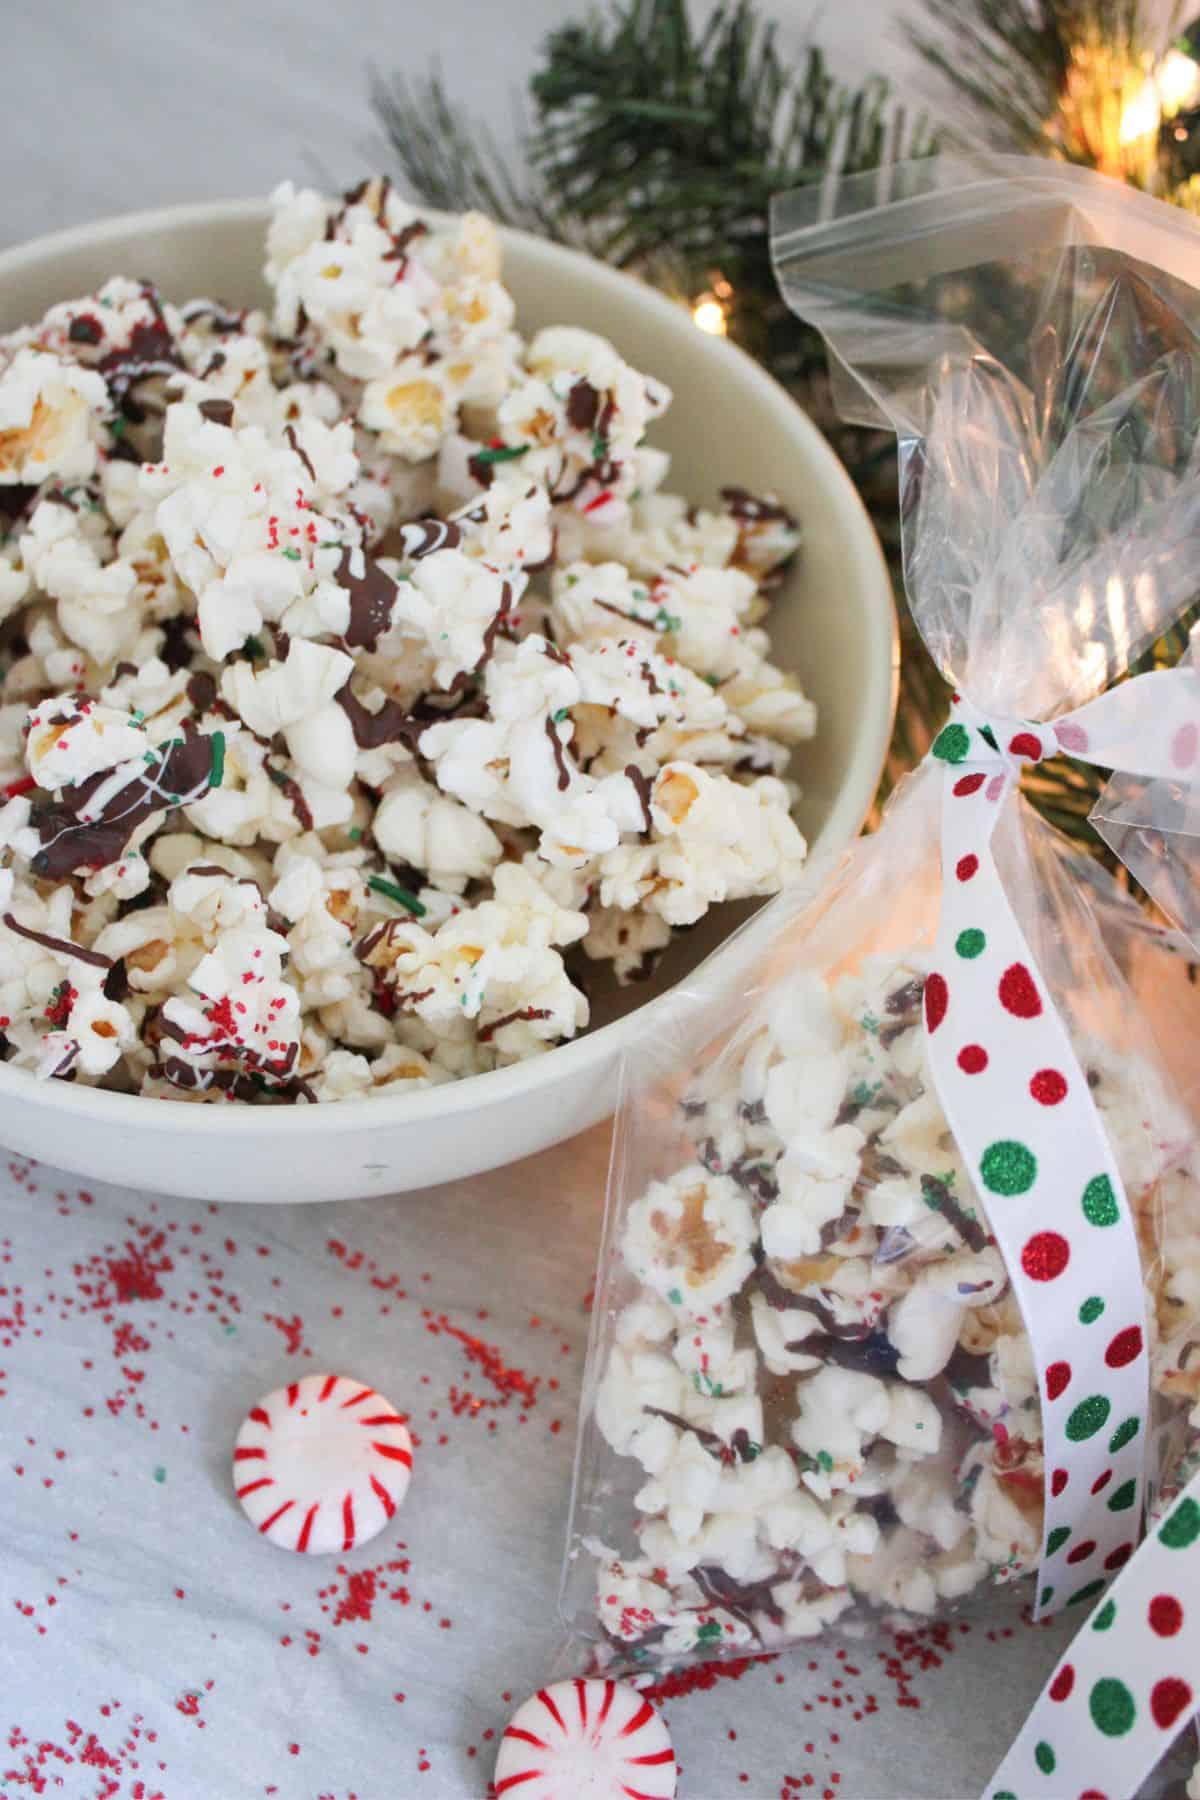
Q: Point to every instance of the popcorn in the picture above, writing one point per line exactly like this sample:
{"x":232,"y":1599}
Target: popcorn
{"x":48,"y":414}
{"x":360,"y":668}
{"x":816,"y":1360}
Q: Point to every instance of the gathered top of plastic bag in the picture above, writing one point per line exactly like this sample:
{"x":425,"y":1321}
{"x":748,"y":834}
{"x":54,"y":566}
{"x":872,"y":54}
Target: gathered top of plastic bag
{"x":1044,"y":386}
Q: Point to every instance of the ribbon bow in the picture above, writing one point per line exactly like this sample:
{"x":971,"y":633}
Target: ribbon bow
{"x":1021,"y":1110}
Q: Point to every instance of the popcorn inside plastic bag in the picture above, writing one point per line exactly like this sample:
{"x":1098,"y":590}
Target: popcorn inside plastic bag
{"x":811,"y":1396}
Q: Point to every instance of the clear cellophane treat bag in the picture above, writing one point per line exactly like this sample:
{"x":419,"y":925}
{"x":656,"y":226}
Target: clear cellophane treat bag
{"x":899,"y":1295}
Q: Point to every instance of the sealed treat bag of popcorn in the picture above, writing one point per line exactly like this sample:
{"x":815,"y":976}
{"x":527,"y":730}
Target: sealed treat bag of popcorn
{"x":899,"y":1300}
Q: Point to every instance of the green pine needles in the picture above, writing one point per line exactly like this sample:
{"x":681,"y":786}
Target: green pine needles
{"x":657,"y":144}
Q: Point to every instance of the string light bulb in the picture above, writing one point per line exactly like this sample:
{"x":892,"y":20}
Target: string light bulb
{"x":709,"y":315}
{"x":1172,"y":86}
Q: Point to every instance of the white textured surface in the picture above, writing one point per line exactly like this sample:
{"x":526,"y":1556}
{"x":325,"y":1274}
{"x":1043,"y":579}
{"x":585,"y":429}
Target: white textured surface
{"x":140,"y":103}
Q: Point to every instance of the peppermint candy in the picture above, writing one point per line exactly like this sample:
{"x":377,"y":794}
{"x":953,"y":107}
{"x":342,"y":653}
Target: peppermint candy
{"x":322,"y":1465}
{"x":586,"y":1740}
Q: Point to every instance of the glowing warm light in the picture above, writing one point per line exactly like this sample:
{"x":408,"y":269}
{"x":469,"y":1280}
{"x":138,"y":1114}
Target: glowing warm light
{"x":1142,"y":114}
{"x":709,"y":315}
{"x":1173,"y":84}
{"x":1177,"y":77}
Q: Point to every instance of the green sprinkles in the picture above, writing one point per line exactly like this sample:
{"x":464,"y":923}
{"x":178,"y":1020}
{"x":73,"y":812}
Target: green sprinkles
{"x":1104,"y":1618}
{"x":971,"y":943}
{"x":393,"y":891}
{"x":675,"y":1297}
{"x":1008,"y":1167}
{"x":1091,"y":1310}
{"x":1100,"y":1202}
{"x":1111,"y":1706}
{"x":160,"y":1474}
{"x":291,"y":554}
{"x":217,"y":740}
{"x":355,"y":834}
{"x":825,"y":1461}
{"x":952,"y":743}
{"x":1182,"y":1528}
{"x":505,"y":453}
{"x":707,"y":1632}
{"x":1089,"y":1417}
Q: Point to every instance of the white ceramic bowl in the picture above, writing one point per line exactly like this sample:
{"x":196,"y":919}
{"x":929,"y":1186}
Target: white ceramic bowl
{"x":833,"y":623}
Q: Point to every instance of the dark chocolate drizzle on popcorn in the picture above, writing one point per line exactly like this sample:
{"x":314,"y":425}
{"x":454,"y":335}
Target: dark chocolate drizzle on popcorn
{"x":372,"y":598}
{"x":71,"y":839}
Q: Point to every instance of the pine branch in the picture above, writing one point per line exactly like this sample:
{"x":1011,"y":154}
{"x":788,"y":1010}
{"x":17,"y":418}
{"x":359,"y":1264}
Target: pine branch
{"x":452,"y":164}
{"x":1049,"y":76}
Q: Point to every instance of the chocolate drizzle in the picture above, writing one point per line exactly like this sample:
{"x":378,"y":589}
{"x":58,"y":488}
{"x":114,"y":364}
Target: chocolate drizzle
{"x":372,"y":597}
{"x":222,"y":319}
{"x":740,"y":1599}
{"x":738,"y":1449}
{"x":524,"y":1012}
{"x":289,"y":433}
{"x":937,"y":1194}
{"x":425,"y":537}
{"x":72,"y":840}
{"x":116,"y":982}
{"x":392,"y":724}
{"x":740,"y":503}
{"x":60,"y":946}
{"x":560,"y":758}
{"x":967,"y":1370}
{"x":176,"y":652}
{"x":291,"y":790}
{"x":151,"y":350}
{"x":218,"y":412}
{"x":85,"y":328}
{"x":872,"y":1355}
{"x":642,"y":787}
{"x":783,"y":1300}
{"x":583,"y":405}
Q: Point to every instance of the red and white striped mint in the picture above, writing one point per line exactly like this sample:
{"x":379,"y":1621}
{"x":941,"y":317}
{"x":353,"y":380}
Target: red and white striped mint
{"x":322,"y":1464}
{"x":586,"y":1740}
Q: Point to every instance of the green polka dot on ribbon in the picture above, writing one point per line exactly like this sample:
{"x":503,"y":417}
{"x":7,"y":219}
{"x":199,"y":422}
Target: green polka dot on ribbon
{"x":970,"y":943}
{"x":1091,"y":1310}
{"x":952,"y":743}
{"x":1100,"y":1202}
{"x":1111,"y":1706}
{"x":1183,"y":1527}
{"x":1126,"y":1430}
{"x":1089,"y":1417}
{"x":1057,"y":1539}
{"x":1008,"y":1167}
{"x":1127,"y":1685}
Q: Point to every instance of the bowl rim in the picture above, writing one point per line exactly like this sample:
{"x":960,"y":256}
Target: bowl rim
{"x":508,"y":1084}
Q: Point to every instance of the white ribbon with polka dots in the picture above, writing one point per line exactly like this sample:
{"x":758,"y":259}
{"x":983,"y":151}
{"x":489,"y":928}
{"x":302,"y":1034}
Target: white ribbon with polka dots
{"x":1019,"y":1106}
{"x":1129,"y":1682}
